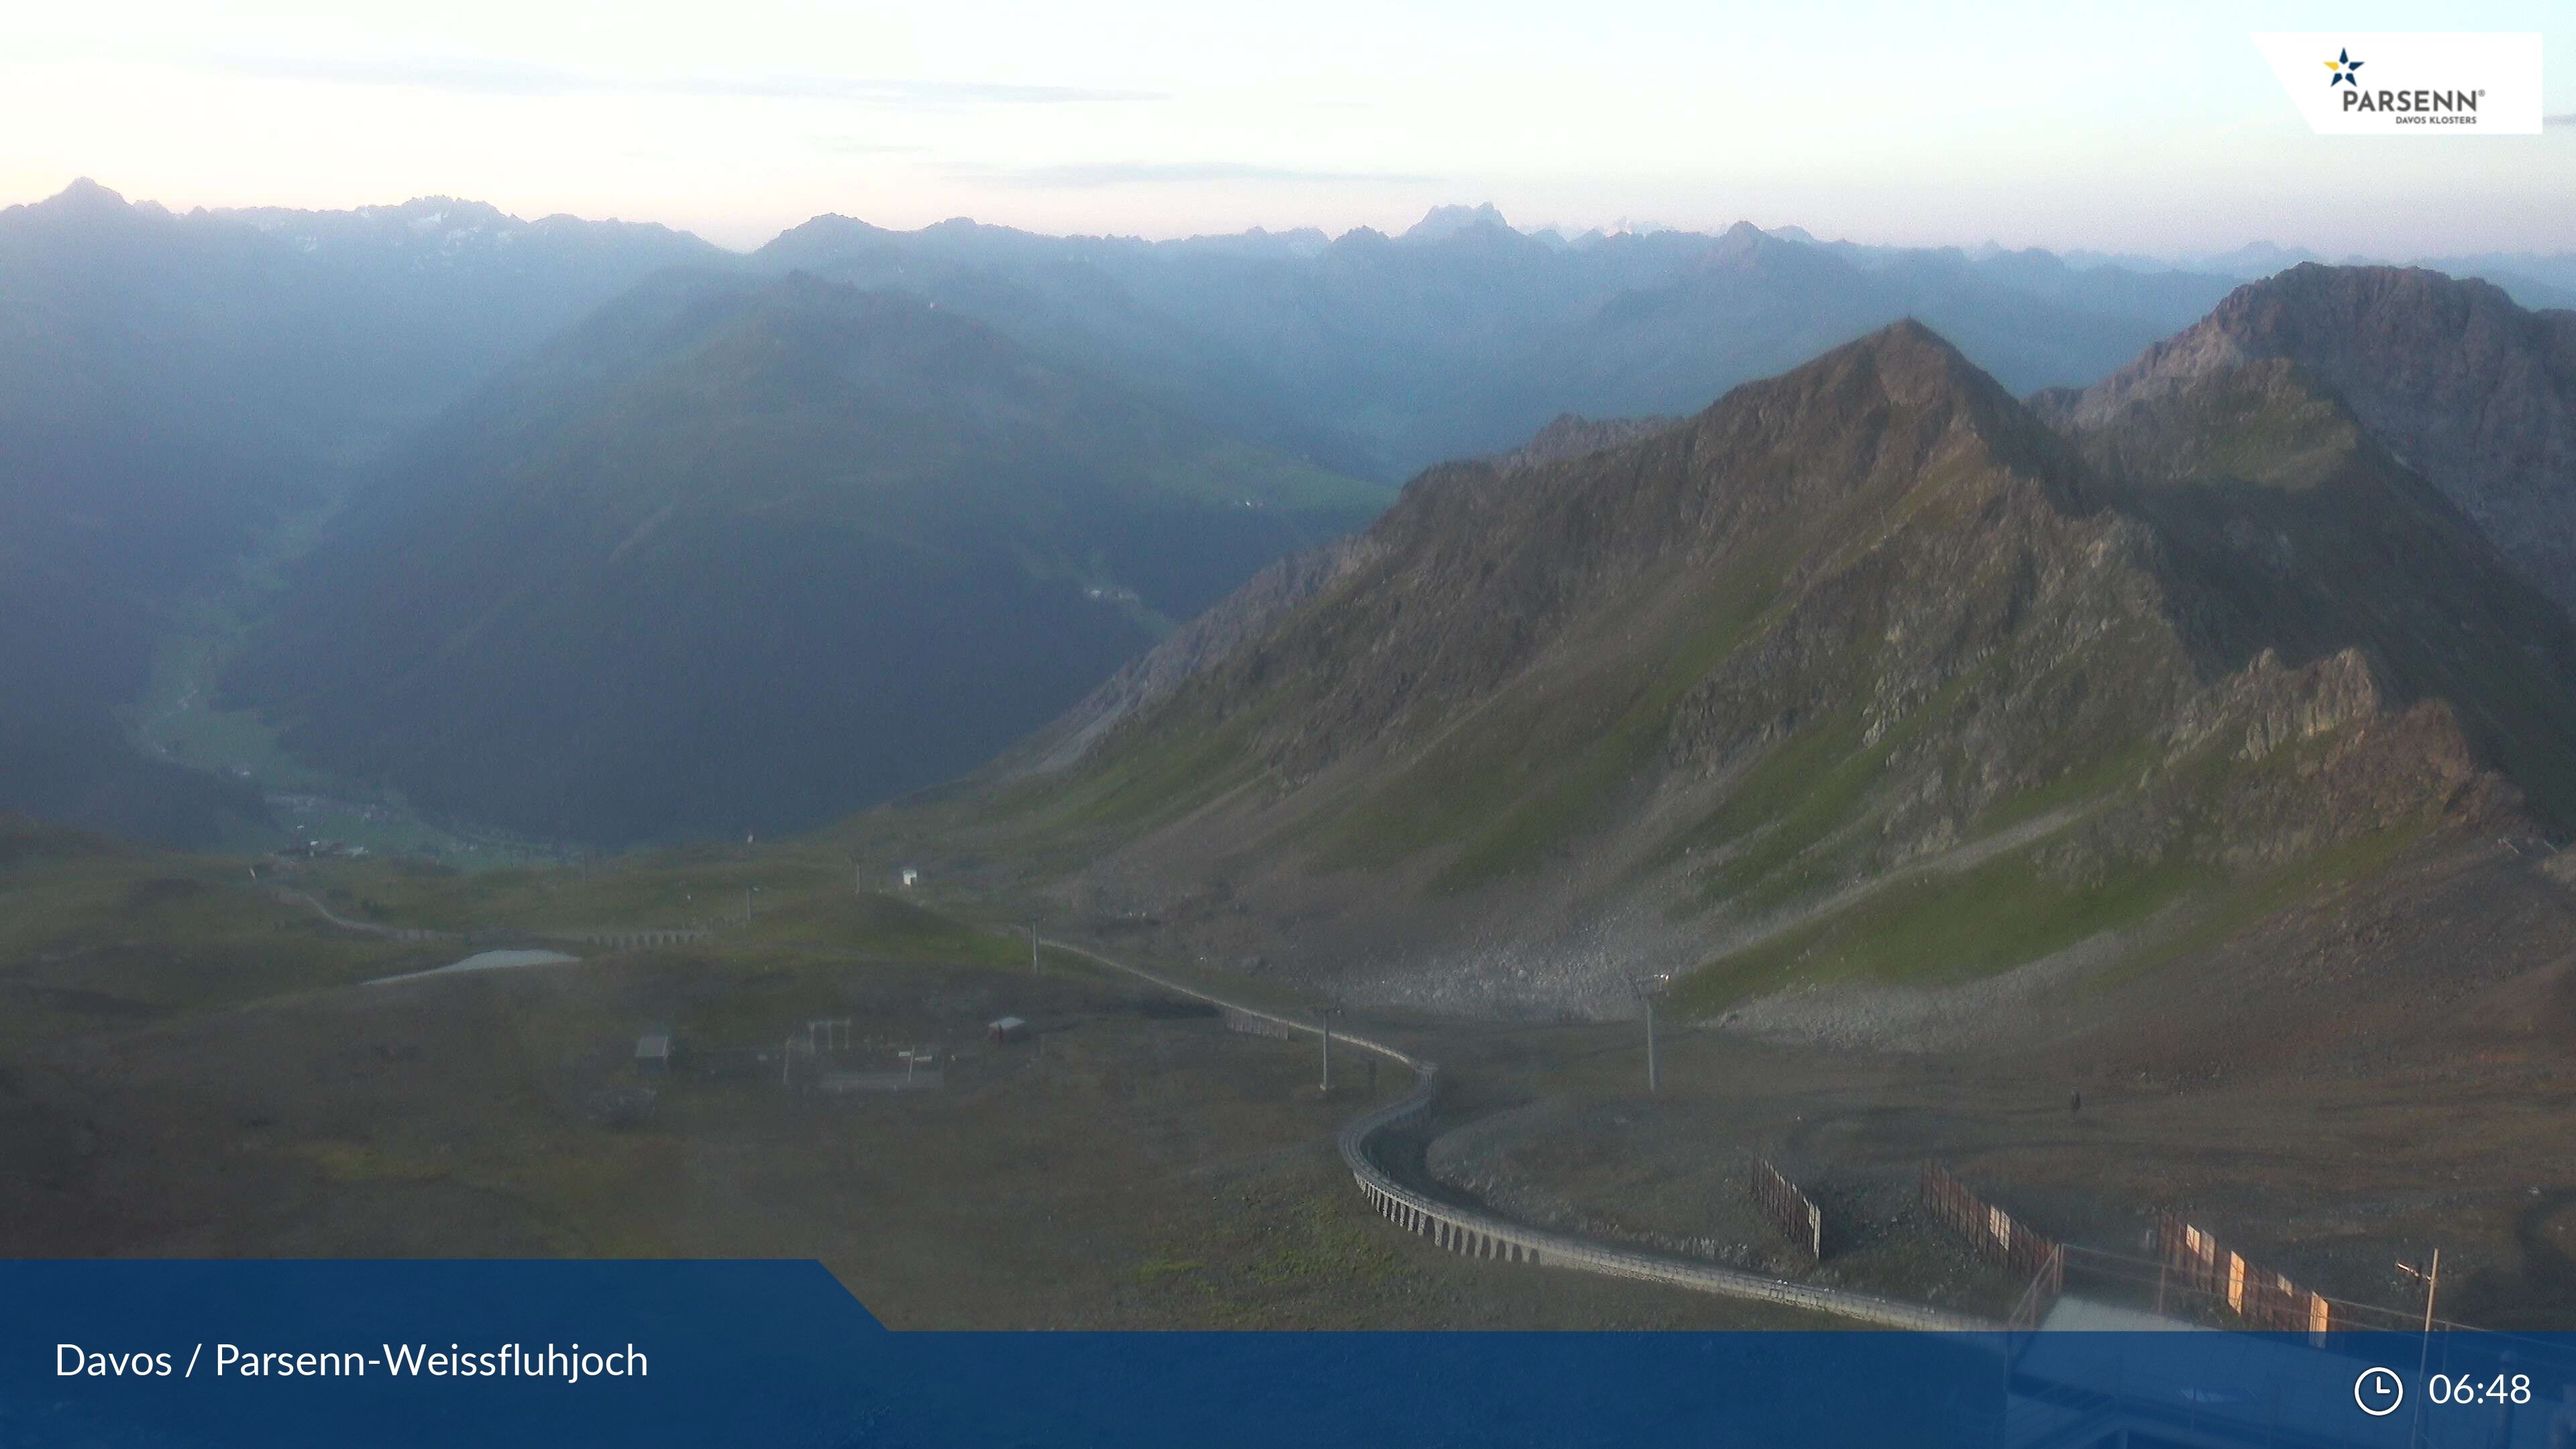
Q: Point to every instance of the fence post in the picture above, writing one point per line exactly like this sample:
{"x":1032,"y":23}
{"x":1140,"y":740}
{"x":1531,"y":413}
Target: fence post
{"x":1790,"y":1210}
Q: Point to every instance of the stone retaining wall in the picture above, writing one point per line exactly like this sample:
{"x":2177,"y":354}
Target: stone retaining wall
{"x":627,"y":939}
{"x":1481,"y":1235}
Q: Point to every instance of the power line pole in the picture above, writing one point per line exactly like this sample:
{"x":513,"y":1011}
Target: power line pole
{"x":1650,"y":1043}
{"x":1645,"y":988}
{"x":1033,"y":948}
{"x":2432,"y":1279}
{"x":1328,"y":1013}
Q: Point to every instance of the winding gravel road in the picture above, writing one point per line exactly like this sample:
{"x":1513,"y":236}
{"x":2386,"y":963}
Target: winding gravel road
{"x":1478,"y":1233}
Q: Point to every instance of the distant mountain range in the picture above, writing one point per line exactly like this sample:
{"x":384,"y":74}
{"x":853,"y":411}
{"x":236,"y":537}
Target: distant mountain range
{"x":1481,"y":333}
{"x":1381,"y":355}
{"x":170,"y":387}
{"x":963,"y":424}
{"x":1870,"y":674}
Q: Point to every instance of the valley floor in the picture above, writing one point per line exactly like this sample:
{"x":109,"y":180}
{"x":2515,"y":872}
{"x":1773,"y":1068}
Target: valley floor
{"x":1137,"y":1166}
{"x":191,"y":1067}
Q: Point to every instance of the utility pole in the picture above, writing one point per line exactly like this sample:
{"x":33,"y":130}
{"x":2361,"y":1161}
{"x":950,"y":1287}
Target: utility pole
{"x":1650,"y":1042}
{"x":1328,"y":1013}
{"x":1645,"y":988}
{"x":1033,"y":948}
{"x":2431,"y":1277}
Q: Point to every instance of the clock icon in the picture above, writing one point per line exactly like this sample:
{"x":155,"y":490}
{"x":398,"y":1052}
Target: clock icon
{"x":2379,"y":1391}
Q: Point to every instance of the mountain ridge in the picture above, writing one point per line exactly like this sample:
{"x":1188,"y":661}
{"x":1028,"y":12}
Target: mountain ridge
{"x":2453,"y":376}
{"x":1699,"y":687}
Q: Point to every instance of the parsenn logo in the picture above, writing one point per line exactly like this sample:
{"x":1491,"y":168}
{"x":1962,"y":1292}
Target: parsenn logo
{"x":2452,"y":84}
{"x":2441,"y":107}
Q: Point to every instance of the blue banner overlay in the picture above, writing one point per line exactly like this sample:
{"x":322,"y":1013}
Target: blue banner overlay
{"x":778,"y":1354}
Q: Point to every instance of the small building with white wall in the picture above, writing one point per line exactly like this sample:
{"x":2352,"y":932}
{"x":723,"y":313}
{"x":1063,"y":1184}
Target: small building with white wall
{"x":653,"y":1053}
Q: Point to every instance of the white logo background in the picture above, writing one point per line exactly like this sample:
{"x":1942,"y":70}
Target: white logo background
{"x":2505,"y":67}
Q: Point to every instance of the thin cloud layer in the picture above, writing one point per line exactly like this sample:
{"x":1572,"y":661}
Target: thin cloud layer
{"x":1087,"y":175}
{"x":491,"y":75}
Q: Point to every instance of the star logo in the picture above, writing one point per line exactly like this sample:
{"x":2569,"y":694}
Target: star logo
{"x":2343,"y":66}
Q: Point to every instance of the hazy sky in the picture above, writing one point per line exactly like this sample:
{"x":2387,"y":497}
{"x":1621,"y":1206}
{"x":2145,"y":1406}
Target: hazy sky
{"x":2063,"y":125}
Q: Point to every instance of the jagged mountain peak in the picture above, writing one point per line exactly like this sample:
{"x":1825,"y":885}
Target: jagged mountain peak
{"x":1744,"y":238}
{"x":450,"y":210}
{"x":1443,"y":222}
{"x":1912,"y":367}
{"x":84,"y":203}
{"x":822,"y":240}
{"x":84,"y":191}
{"x":2455,"y":379}
{"x":2387,"y":318}
{"x":1906,"y":348}
{"x":1746,"y":250}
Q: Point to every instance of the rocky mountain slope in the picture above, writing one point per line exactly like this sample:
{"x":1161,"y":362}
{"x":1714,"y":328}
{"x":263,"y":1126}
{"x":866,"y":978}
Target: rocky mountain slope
{"x":1252,"y":610}
{"x":1864,"y":675}
{"x":1571,"y":435}
{"x":2468,"y":388}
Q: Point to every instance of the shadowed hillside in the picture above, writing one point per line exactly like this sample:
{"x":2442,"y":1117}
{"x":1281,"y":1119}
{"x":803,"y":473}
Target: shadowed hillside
{"x":172,"y":386}
{"x":747,"y":555}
